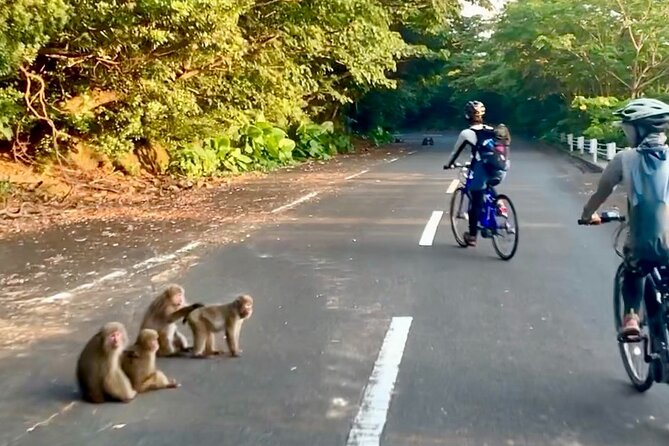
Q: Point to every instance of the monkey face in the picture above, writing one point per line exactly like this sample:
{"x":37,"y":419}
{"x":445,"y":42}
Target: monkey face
{"x":245,"y":306}
{"x":178,"y":300}
{"x":149,"y":340}
{"x":115,"y":339}
{"x":152,"y":345}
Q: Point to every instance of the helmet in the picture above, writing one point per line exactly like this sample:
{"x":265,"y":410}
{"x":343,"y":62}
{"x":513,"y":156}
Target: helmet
{"x":645,"y":112}
{"x":474,"y":109}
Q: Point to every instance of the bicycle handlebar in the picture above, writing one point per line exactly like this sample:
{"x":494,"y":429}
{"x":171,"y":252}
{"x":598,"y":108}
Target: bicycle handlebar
{"x":606,"y":217}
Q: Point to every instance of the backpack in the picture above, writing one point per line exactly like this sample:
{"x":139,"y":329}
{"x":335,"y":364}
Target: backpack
{"x":492,"y":145}
{"x":648,"y":201}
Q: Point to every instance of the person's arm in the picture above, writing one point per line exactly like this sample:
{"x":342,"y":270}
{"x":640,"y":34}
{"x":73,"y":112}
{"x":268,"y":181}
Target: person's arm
{"x":466,"y":137}
{"x":611,"y":177}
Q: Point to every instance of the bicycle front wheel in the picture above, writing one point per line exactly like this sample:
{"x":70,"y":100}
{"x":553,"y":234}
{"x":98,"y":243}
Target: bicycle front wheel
{"x":460,"y":215}
{"x":632,"y":353}
{"x":505,"y":237}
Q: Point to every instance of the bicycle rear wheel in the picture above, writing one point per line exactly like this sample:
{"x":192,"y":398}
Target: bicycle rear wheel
{"x":460,"y":215}
{"x":632,"y":353}
{"x":505,"y":237}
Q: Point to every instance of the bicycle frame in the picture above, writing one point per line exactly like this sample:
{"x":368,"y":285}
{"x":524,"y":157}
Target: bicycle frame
{"x":656,"y":349}
{"x":486,"y":219}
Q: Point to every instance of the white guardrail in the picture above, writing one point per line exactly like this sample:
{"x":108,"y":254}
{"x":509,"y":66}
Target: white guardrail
{"x":600,"y":152}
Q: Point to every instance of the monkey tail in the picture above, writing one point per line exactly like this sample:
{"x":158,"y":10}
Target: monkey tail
{"x":184,"y":312}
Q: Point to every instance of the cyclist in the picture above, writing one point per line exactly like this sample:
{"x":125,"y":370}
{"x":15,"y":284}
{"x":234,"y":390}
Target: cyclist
{"x":473,"y":136}
{"x":644,"y":172}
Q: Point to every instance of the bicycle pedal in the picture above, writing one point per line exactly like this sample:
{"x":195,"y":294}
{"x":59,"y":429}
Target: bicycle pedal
{"x":626,"y":339}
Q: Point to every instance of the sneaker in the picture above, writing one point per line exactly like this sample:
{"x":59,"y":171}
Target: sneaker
{"x":470,"y":239}
{"x":501,"y":209}
{"x":630,"y":328}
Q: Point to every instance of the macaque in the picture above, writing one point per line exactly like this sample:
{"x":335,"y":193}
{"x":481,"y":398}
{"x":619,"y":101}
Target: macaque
{"x":206,"y":321}
{"x":99,"y":372}
{"x":139,"y":363}
{"x":168,"y":307}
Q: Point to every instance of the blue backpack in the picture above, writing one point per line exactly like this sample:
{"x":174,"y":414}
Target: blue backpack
{"x":492,"y":145}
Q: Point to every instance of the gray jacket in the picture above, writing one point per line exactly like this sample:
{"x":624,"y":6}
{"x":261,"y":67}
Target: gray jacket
{"x":644,"y":174}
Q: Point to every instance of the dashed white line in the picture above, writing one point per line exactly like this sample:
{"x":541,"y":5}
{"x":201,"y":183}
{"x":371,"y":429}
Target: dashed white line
{"x":452,"y":187}
{"x":350,"y":177}
{"x":153,"y":261}
{"x":412,"y":152}
{"x":144,"y":265}
{"x":431,"y":228}
{"x":392,"y":160}
{"x":295,"y":203}
{"x":371,"y":418}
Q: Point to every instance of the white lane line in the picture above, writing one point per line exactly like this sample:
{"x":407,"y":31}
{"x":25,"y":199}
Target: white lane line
{"x":431,"y":229}
{"x":158,"y":260}
{"x":412,"y":152}
{"x":295,"y":203}
{"x":371,"y":419}
{"x":392,"y":160}
{"x":144,"y":265}
{"x":350,"y":177}
{"x":451,"y":187}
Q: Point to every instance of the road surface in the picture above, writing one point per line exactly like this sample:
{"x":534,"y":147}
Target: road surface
{"x":361,"y":336}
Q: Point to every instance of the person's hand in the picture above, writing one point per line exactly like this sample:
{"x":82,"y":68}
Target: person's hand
{"x":595,"y":219}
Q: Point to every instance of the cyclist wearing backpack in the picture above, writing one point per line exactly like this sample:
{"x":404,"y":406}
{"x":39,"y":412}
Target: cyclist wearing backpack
{"x":644,"y":172}
{"x":489,"y":162}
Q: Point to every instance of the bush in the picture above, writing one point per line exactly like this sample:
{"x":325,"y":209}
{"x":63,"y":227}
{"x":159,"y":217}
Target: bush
{"x":593,"y":117}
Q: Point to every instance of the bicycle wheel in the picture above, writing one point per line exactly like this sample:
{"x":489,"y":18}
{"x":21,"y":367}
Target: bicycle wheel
{"x":632,"y":354}
{"x":505,"y":237}
{"x":460,"y":215}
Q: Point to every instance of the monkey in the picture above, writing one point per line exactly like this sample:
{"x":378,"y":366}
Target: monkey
{"x":99,"y":372}
{"x":167,"y":308}
{"x":139,"y":363}
{"x":206,"y":321}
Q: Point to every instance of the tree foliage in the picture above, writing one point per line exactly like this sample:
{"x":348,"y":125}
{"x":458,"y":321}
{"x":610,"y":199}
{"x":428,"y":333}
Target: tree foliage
{"x":184,"y":73}
{"x":542,"y":65}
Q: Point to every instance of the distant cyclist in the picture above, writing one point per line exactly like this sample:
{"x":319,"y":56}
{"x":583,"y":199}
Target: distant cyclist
{"x":487,"y":165}
{"x":644,"y":172}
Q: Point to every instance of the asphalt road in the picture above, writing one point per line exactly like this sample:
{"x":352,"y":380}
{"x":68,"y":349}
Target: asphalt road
{"x":496,"y":353}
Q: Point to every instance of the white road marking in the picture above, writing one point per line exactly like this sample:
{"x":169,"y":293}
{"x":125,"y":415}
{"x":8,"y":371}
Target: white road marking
{"x":392,"y":160}
{"x":350,"y":177}
{"x":371,"y":419}
{"x":153,"y":261}
{"x":431,"y":229}
{"x":452,"y":187}
{"x":295,"y":203}
{"x":144,"y":265}
{"x":412,"y":152}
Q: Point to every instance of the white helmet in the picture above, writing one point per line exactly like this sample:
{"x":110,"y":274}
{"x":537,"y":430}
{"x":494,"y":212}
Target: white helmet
{"x":645,"y":112}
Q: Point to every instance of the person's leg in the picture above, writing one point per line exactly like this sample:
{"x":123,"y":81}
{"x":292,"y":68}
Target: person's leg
{"x":632,"y":289}
{"x":474,"y":213}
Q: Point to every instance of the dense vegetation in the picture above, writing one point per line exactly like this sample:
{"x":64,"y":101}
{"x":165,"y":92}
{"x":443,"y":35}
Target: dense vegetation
{"x":220,"y":84}
{"x":233,"y":85}
{"x":541,"y":65}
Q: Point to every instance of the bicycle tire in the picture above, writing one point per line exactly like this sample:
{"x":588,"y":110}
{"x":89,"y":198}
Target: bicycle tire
{"x":459,"y":193}
{"x":495,"y":243}
{"x":640,"y":383}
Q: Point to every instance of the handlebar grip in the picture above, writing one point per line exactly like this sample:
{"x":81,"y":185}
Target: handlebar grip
{"x":604,"y":219}
{"x":620,"y":218}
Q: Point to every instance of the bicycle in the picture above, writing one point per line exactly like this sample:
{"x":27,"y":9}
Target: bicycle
{"x":498,"y":220}
{"x":646,"y":357}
